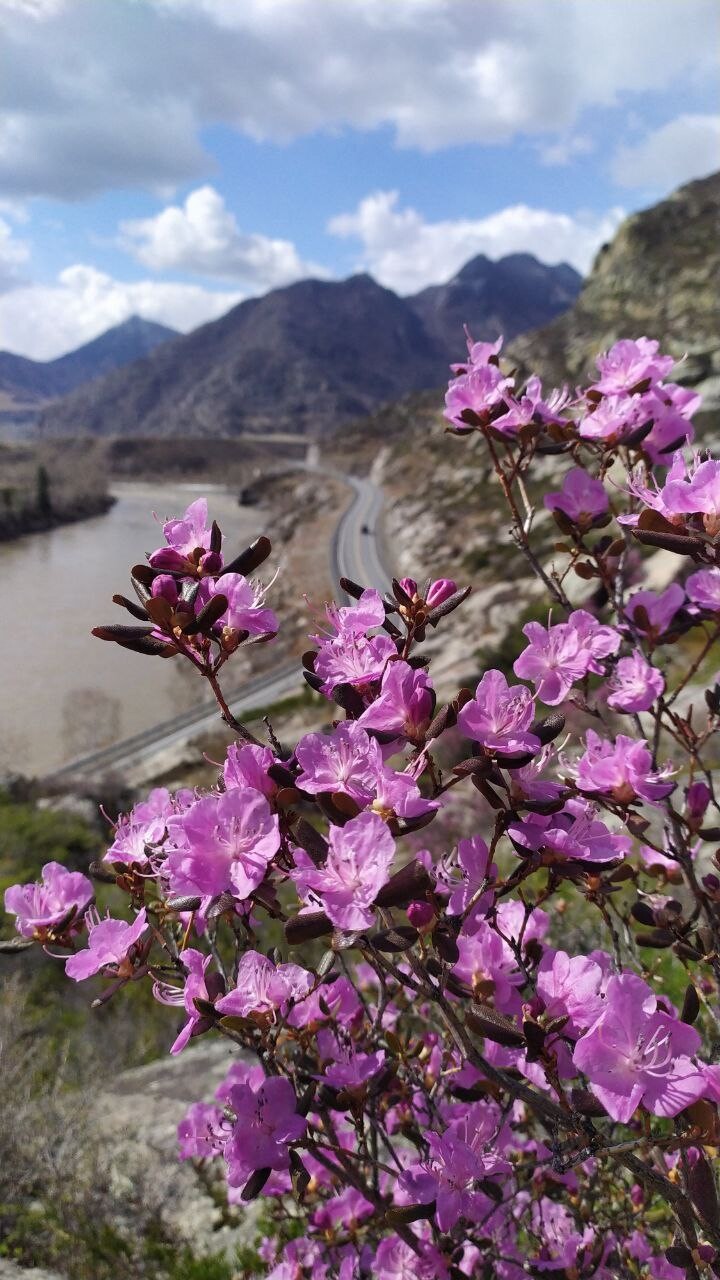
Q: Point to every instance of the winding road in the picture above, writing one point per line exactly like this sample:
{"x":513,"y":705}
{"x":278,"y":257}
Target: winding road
{"x":354,"y":553}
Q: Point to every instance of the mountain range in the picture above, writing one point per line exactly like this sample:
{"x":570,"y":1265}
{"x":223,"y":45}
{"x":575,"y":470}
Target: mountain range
{"x":308,"y":357}
{"x":33,"y":380}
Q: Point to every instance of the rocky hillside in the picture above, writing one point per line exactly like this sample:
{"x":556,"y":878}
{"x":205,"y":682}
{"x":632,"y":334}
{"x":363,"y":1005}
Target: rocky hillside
{"x":509,"y":296}
{"x":659,"y":277}
{"x":309,"y":357}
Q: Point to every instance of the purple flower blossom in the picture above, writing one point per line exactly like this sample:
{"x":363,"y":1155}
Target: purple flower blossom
{"x":404,"y":705}
{"x":636,"y":1054}
{"x":439,"y":591}
{"x":201,"y":1132}
{"x":188,"y":542}
{"x":245,"y":611}
{"x":266,"y":1122}
{"x":473,"y":865}
{"x":487,"y":963}
{"x":576,"y":833}
{"x":582,"y":498}
{"x":262,"y":986}
{"x":246,"y":766}
{"x":622,"y":769}
{"x":660,"y":609}
{"x":143,"y":828}
{"x":347,"y":1068}
{"x":354,"y":872}
{"x":109,"y":942}
{"x":635,"y":684}
{"x":347,"y":760}
{"x":223,"y":842}
{"x":628,"y":364}
{"x":530,"y":409}
{"x":559,"y":656}
{"x":699,"y":494}
{"x":195,"y":988}
{"x":561,"y":1243}
{"x":396,"y":1260}
{"x":475,"y":394}
{"x":398,"y":795}
{"x":336,"y":1001}
{"x":458,"y":1158}
{"x":612,"y":419}
{"x":570,"y":986}
{"x":59,"y":899}
{"x":703,"y":589}
{"x":499,"y":716}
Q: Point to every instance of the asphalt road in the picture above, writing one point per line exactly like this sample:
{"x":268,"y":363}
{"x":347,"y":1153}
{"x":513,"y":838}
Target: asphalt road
{"x":354,"y":553}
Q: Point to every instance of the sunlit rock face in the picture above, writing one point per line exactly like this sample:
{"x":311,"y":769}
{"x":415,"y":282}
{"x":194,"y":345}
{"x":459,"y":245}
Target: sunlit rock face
{"x":658,"y":276}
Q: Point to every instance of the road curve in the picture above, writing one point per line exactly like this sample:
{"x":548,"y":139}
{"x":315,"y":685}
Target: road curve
{"x":354,"y":553}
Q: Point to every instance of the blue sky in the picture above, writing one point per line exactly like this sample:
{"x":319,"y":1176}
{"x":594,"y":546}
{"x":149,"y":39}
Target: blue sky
{"x":171,"y":157}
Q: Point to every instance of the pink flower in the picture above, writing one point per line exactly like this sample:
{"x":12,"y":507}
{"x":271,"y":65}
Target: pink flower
{"x":334,"y":1001}
{"x":246,"y":766}
{"x":660,"y":609}
{"x":474,"y":394}
{"x":576,"y":833}
{"x":439,"y":591}
{"x":622,"y":769}
{"x":473,"y":865}
{"x":262,"y":986}
{"x":562,"y":1245}
{"x":345,"y":1067}
{"x":628,"y":364}
{"x":636,"y":1054}
{"x":612,"y":419}
{"x":634,"y":684}
{"x":109,"y":942}
{"x":487,"y":963}
{"x":354,"y":872}
{"x":404,"y":705}
{"x":458,"y":1159}
{"x":223,"y":842}
{"x":559,"y":656}
{"x":703,"y":589}
{"x":245,"y":611}
{"x":201,"y":1132}
{"x":188,"y":542}
{"x":396,"y":1260}
{"x":699,"y":494}
{"x":142,"y":829}
{"x":530,"y":409}
{"x":58,"y":900}
{"x":499,"y":716}
{"x":582,"y":498}
{"x":570,"y":986}
{"x":266,"y":1122}
{"x":346,"y":760}
{"x":195,"y":988}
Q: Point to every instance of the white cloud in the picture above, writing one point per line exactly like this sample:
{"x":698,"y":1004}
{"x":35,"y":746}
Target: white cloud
{"x":685,"y":148}
{"x":565,"y":149}
{"x":203,"y":237}
{"x":13,"y":256}
{"x":44,"y":321}
{"x":405,"y":252}
{"x":104,"y":93}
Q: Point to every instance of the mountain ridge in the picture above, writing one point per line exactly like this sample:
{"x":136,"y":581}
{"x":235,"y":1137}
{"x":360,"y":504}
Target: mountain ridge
{"x":305,"y":358}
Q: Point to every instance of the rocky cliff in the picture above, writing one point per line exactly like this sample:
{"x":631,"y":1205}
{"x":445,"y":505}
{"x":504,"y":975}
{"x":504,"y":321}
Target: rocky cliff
{"x":658,"y":277}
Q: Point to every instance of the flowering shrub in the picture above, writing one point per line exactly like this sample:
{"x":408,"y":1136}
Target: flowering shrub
{"x":432,"y":1079}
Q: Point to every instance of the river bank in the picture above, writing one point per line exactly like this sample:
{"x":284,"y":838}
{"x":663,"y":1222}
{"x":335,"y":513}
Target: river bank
{"x":45,"y":486}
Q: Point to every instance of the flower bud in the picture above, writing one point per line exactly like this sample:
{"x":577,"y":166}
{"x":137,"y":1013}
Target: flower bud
{"x":439,"y":591}
{"x":164,"y":585}
{"x":421,"y":915}
{"x":697,"y":799}
{"x":409,"y":586}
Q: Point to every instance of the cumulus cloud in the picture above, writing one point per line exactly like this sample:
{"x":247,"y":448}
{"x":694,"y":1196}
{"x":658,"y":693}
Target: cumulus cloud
{"x":202,"y":236}
{"x":14,"y":254}
{"x":44,"y":321}
{"x":98,"y":95}
{"x":684,"y":148}
{"x":405,"y":252}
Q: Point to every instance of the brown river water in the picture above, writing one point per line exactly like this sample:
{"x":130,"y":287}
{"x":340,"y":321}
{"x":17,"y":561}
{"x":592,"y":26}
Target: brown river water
{"x":62,"y":692}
